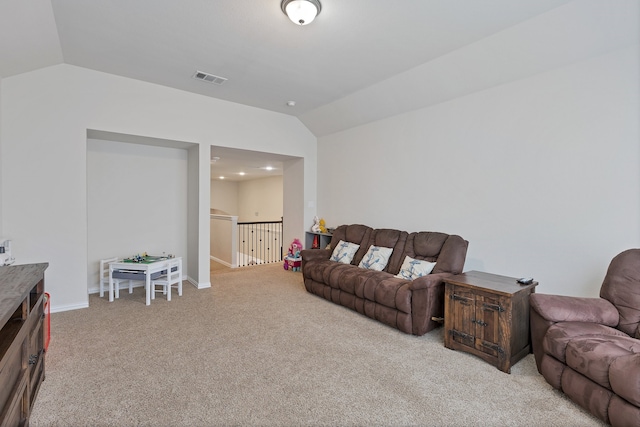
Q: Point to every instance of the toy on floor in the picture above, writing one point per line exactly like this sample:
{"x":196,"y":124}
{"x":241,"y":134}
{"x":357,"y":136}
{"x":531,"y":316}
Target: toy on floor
{"x":293,"y":260}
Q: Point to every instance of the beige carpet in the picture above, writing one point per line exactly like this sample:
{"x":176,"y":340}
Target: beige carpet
{"x":257,"y":349}
{"x":216,"y":267}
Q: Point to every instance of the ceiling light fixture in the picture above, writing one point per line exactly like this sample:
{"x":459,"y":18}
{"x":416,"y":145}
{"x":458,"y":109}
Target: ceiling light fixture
{"x":301,"y":12}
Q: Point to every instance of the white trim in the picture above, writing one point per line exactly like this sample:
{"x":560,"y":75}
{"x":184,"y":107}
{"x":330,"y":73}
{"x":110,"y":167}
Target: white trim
{"x":198,"y":285}
{"x":219,"y":261}
{"x":59,"y":309}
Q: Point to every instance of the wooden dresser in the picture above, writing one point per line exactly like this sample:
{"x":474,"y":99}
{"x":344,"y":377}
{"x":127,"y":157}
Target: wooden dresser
{"x":488,"y":315}
{"x":21,"y":340}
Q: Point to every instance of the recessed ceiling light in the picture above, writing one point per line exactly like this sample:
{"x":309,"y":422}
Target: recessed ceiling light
{"x":241,"y":173}
{"x":222,"y":177}
{"x":291,"y":103}
{"x":268,"y":168}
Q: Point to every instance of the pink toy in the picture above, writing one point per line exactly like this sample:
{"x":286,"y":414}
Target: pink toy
{"x":293,"y":260}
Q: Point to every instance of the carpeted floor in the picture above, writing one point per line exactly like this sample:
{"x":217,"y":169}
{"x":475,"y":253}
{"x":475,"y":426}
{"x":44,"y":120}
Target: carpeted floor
{"x":257,"y":349}
{"x":216,"y":267}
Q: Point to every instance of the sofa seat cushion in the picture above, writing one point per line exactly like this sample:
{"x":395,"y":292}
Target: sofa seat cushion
{"x":326,"y":271}
{"x":333,"y":273}
{"x":350,"y":279}
{"x":624,"y":375}
{"x":387,"y":290}
{"x":394,"y":293}
{"x":560,"y":334}
{"x":315,"y":269}
{"x":595,"y":357}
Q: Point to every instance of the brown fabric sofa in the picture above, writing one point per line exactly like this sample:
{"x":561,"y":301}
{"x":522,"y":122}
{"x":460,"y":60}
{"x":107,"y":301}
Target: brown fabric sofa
{"x":407,"y":305}
{"x":589,"y":348}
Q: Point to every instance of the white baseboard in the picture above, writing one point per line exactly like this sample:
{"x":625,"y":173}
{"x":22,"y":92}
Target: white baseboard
{"x":219,"y":261}
{"x":195,"y":283}
{"x":58,"y":309}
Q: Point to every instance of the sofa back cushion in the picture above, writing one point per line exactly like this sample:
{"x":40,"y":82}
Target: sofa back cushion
{"x":448,"y":251}
{"x":390,"y":238}
{"x":621,"y":287}
{"x":354,"y":233}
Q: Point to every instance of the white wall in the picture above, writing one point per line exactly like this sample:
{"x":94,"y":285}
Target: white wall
{"x":223,"y":239}
{"x":224,"y":196}
{"x":198,"y":246}
{"x":542,"y":176}
{"x":45,"y":117}
{"x":260,"y":199}
{"x":294,"y":222}
{"x":136,"y":202}
{"x":245,"y":198}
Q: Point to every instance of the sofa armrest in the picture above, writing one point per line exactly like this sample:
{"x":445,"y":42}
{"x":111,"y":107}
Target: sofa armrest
{"x":312,"y":255}
{"x":428,"y":281}
{"x":315,"y":254}
{"x":427,"y":302}
{"x":559,"y":308}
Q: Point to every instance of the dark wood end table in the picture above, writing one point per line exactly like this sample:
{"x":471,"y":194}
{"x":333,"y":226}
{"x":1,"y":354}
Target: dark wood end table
{"x":488,"y":315}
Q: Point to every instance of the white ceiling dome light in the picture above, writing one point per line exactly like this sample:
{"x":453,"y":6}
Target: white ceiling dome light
{"x":301,"y":12}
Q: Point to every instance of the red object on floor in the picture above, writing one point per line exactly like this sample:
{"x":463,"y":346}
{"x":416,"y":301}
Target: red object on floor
{"x":47,"y":321}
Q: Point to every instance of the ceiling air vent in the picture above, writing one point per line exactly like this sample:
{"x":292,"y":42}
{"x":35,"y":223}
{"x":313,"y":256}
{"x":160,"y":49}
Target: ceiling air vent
{"x":209,"y":78}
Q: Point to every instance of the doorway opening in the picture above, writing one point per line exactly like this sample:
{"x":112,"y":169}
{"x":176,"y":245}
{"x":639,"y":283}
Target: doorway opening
{"x":247,"y":207}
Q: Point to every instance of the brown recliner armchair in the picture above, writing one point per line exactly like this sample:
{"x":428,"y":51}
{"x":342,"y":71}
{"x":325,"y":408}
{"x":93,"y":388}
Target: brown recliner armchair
{"x":589,"y":348}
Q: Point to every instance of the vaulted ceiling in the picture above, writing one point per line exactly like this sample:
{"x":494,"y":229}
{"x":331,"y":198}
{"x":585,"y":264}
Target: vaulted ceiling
{"x":352,"y":45}
{"x":359,"y":61}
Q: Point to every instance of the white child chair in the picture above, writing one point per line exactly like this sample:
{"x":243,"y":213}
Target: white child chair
{"x":172,"y":278}
{"x":104,"y":278}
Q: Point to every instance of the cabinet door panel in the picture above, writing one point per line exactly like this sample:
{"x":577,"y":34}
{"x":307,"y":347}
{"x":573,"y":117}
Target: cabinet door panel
{"x":488,"y":311}
{"x":35,"y":358}
{"x":463,"y":303}
{"x":12,"y":373}
{"x":16,"y":413}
